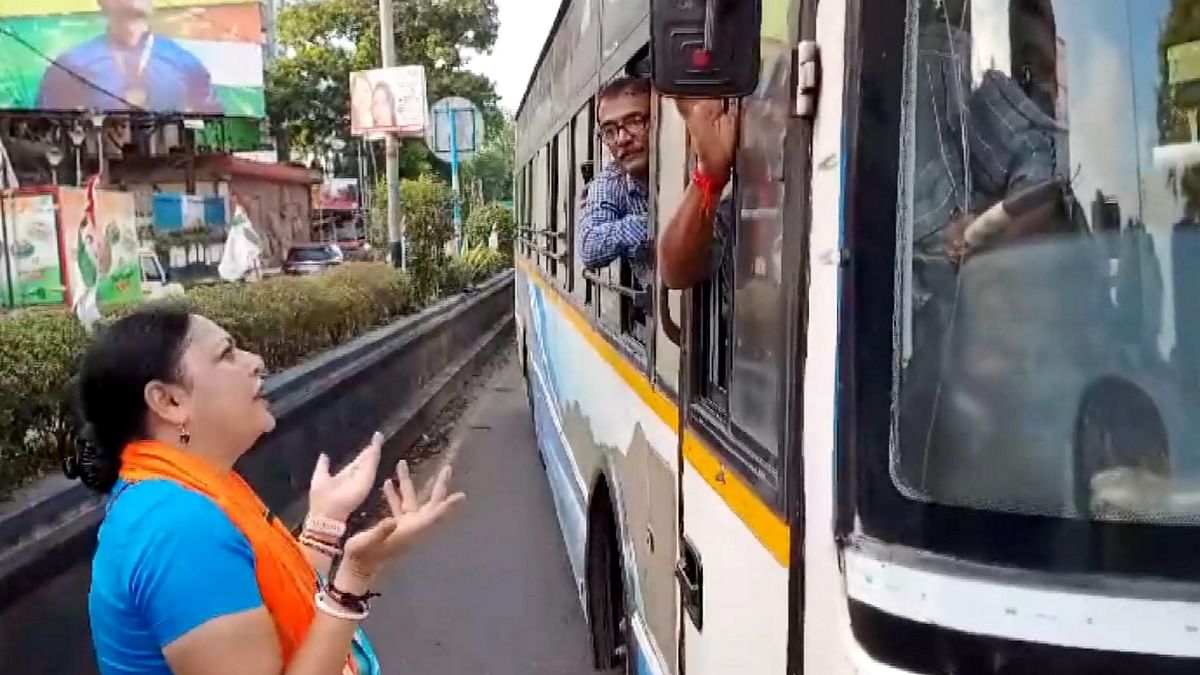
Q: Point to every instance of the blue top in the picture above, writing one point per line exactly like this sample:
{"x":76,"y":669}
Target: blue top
{"x":168,"y":561}
{"x":172,"y":80}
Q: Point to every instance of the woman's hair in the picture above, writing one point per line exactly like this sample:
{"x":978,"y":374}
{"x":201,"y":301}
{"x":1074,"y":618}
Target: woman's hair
{"x":111,"y":388}
{"x":387,"y":92}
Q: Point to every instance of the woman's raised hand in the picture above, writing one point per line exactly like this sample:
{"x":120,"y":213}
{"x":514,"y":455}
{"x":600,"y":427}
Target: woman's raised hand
{"x":336,"y":496}
{"x":409,"y":518}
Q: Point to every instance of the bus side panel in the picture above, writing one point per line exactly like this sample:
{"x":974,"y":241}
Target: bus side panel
{"x":590,"y":418}
{"x":744,"y":592}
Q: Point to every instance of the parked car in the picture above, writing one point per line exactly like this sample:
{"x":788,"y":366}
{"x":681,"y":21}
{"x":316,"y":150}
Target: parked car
{"x":312,"y":258}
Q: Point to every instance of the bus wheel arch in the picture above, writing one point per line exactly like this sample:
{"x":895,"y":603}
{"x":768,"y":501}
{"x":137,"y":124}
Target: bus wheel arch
{"x":606,"y":594}
{"x":1118,"y":425}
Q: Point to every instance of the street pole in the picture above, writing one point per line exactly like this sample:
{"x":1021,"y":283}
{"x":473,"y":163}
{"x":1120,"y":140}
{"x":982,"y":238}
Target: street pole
{"x":454,"y":186}
{"x":387,"y":43}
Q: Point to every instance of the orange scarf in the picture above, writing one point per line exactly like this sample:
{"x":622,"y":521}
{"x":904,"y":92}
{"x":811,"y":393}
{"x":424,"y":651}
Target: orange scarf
{"x":286,"y":580}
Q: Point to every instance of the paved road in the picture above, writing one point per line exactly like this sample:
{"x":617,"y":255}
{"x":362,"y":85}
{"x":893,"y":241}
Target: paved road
{"x":491,"y":593}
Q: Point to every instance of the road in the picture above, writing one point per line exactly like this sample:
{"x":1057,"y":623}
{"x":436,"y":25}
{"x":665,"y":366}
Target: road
{"x":491,"y":593}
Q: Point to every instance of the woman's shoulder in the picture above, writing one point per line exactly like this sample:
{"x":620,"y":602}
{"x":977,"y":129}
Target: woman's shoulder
{"x":158,"y":511}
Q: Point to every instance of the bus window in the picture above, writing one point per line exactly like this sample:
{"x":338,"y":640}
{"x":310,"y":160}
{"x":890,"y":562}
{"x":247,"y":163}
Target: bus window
{"x":758,"y":303}
{"x":560,"y":244}
{"x":613,"y":239}
{"x":583,"y":126}
{"x":1049,"y":352}
{"x":549,"y":242}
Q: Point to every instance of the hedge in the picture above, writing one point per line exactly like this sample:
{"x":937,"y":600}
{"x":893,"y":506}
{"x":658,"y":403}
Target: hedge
{"x":285,"y":319}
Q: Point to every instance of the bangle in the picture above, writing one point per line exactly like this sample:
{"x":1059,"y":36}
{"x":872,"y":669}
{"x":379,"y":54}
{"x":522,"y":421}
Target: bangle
{"x":339,"y":612}
{"x":324,"y":528}
{"x":352,"y":602}
{"x":320,"y":546}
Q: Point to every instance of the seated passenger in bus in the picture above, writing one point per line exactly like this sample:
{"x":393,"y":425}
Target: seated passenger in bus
{"x":695,"y":241}
{"x":613,"y":224}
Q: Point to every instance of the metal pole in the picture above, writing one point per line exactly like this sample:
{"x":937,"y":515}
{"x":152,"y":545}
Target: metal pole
{"x":453,"y":115}
{"x":387,"y":44}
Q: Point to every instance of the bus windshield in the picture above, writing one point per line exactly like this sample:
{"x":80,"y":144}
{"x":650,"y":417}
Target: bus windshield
{"x":1048,"y":295}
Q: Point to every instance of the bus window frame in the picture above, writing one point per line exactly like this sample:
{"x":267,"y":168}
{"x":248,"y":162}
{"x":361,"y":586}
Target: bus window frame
{"x":870,"y":504}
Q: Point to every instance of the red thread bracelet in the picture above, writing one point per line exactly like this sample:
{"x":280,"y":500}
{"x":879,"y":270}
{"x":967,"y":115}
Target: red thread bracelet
{"x":709,"y":187}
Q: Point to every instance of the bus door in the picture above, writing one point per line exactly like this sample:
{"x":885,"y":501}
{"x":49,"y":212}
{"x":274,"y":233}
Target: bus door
{"x":735,"y":547}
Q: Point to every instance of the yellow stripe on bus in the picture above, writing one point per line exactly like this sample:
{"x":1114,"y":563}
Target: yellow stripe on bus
{"x":771,"y":530}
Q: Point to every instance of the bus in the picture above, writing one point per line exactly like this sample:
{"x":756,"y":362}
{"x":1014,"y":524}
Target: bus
{"x":941,"y":411}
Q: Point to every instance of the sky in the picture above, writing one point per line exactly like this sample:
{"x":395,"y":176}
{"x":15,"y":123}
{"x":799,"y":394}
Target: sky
{"x":524,"y":25}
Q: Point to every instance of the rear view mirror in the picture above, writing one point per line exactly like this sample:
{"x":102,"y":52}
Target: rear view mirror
{"x":705,"y":48}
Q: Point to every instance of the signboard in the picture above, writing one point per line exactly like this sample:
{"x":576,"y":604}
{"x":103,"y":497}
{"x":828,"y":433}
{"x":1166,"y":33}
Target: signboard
{"x":1183,"y":63}
{"x":169,"y":56}
{"x":100,"y":249}
{"x":455,"y":121}
{"x":391,"y":100}
{"x":338,"y":194}
{"x":33,"y":270}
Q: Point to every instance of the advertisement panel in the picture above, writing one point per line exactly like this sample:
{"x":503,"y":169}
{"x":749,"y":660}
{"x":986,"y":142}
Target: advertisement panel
{"x":122,"y":55}
{"x":391,"y":100}
{"x":338,"y":194}
{"x":34,"y":269}
{"x":102,"y":256}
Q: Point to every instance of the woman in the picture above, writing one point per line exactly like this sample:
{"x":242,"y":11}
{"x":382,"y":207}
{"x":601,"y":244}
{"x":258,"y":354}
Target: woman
{"x":192,"y":574}
{"x":383,"y":107}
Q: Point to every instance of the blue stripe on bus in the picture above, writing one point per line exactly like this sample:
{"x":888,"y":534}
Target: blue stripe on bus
{"x":568,"y":503}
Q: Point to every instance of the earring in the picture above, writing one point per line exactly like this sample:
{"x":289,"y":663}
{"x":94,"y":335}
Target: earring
{"x":185,"y":436}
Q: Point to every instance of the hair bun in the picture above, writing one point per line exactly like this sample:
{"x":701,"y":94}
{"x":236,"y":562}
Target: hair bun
{"x":88,"y":463}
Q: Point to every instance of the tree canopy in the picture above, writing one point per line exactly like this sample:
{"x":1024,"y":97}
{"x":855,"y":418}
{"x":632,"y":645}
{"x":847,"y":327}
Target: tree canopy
{"x":323,"y":41}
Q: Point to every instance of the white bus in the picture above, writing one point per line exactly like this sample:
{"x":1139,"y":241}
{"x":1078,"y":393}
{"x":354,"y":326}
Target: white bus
{"x":940,"y":414}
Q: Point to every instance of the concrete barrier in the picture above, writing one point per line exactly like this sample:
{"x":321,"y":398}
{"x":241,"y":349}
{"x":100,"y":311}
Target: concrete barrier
{"x":394,"y":379}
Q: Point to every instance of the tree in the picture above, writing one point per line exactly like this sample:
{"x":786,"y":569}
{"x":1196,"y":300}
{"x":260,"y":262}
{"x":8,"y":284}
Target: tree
{"x":323,"y":41}
{"x":1179,"y":102}
{"x":492,"y":168}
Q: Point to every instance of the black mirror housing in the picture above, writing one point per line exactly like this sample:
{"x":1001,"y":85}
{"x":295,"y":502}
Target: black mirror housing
{"x":705,"y":48}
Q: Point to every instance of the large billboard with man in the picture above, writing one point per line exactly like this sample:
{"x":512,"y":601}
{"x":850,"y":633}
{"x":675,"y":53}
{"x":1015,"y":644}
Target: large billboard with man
{"x":200,"y":57}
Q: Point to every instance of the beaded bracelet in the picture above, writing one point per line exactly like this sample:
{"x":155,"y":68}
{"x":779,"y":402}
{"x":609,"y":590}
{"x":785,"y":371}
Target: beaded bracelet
{"x":324,"y":548}
{"x":324,"y":528}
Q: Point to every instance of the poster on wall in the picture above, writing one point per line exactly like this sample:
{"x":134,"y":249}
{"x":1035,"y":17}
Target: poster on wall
{"x":391,"y":100}
{"x":101,"y":250}
{"x":33,"y":269}
{"x":181,"y":56}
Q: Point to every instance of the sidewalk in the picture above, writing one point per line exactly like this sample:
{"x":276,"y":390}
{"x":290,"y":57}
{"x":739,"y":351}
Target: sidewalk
{"x":491,"y":593}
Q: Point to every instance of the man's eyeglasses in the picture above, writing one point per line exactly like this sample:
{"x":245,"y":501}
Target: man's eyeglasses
{"x":634,"y":125}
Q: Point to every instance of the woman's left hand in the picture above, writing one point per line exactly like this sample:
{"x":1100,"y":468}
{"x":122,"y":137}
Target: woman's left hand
{"x":336,"y":496}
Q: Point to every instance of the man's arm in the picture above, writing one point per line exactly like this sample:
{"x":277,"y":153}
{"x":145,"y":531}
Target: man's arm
{"x":605,"y":232}
{"x":685,"y":245}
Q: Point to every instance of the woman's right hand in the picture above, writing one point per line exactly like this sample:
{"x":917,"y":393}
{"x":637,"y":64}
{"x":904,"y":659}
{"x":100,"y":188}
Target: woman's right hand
{"x":366,"y":552}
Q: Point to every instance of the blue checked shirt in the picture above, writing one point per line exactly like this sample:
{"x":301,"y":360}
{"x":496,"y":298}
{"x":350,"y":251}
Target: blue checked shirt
{"x":614,"y":223}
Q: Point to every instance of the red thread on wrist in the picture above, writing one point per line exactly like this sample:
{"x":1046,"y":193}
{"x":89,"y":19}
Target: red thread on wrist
{"x":709,"y":187}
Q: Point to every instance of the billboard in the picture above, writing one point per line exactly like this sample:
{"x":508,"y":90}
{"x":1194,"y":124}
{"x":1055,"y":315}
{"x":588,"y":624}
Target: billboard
{"x":391,"y":100}
{"x":32,"y":273}
{"x":101,"y":253}
{"x":338,"y":194}
{"x":164,"y":56}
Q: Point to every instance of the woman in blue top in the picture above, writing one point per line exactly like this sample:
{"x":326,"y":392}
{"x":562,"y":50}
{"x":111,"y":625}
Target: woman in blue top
{"x":192,"y":576}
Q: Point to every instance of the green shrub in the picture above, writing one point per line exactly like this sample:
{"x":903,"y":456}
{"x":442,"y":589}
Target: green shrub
{"x":285,"y":319}
{"x":485,"y":220}
{"x":428,"y":223}
{"x":37,"y":355}
{"x":482,"y":263}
